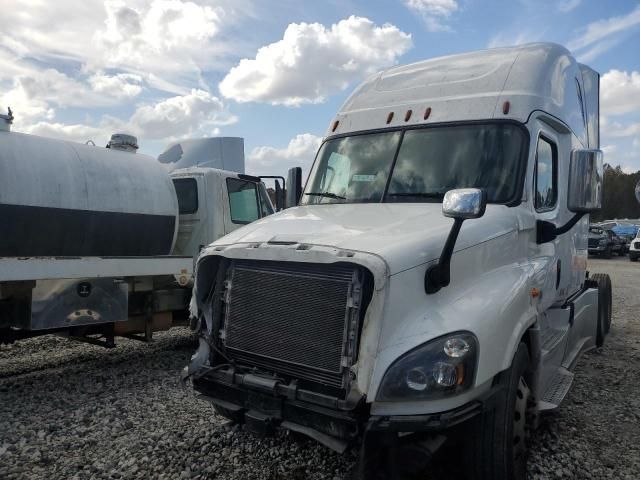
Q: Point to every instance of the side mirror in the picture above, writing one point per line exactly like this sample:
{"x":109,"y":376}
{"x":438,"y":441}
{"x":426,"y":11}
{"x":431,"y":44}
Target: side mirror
{"x":294,"y":186}
{"x":585,"y":181}
{"x":278,"y":190}
{"x":279,"y":196}
{"x":584,"y":195}
{"x":464,"y":203}
{"x":460,"y":204}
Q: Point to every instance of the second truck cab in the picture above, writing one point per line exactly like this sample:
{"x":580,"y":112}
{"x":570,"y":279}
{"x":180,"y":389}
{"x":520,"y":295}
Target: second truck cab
{"x":214,"y":202}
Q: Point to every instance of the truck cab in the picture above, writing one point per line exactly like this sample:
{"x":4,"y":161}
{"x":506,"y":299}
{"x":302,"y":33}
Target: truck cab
{"x":214,"y":202}
{"x":432,"y":282}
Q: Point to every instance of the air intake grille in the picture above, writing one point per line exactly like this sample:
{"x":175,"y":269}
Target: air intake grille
{"x":293,"y":318}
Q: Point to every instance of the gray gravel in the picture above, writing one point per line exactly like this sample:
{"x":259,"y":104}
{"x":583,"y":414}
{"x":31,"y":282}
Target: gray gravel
{"x":70,"y":410}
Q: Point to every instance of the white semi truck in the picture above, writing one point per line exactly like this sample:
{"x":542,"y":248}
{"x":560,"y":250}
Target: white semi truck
{"x":433,"y":281}
{"x":99,"y":242}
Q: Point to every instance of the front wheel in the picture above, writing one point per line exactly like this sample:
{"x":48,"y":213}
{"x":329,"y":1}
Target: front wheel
{"x":607,"y":252}
{"x":498,"y":445}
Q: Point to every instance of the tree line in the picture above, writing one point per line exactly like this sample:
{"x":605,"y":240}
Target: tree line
{"x":619,"y":200}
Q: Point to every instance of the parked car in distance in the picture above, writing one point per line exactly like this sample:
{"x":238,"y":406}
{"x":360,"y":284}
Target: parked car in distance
{"x":634,"y":248}
{"x":625,"y":230}
{"x":605,"y":242}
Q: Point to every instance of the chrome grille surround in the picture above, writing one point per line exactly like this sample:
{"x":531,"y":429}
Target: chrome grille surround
{"x":293,"y":318}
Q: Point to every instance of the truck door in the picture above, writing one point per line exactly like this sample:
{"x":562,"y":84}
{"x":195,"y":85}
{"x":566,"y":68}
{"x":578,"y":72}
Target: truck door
{"x":192,"y":220}
{"x":553,"y":256}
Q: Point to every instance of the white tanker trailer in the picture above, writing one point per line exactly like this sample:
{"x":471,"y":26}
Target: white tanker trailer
{"x":98,"y":242}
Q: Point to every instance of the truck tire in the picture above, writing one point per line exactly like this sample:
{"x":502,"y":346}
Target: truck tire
{"x":497,"y":448}
{"x":602,"y":282}
{"x":607,"y":252}
{"x":633,"y":258}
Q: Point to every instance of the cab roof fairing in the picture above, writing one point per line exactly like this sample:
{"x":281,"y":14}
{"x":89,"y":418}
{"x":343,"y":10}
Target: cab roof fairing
{"x":470,"y":87}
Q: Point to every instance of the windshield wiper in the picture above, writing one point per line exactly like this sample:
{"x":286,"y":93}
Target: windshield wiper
{"x":326,"y":194}
{"x":418,"y":194}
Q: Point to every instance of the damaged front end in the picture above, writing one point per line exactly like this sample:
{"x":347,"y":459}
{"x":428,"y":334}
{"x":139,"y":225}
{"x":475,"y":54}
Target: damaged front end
{"x":287,"y":337}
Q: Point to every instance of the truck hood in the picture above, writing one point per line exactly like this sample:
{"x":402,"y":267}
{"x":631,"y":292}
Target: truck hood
{"x":403,"y":234}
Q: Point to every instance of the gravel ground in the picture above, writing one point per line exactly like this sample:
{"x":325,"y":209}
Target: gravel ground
{"x":71,"y":410}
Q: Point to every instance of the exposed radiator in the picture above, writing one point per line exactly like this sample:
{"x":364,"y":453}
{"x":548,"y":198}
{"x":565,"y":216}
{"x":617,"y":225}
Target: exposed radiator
{"x":297,"y":319}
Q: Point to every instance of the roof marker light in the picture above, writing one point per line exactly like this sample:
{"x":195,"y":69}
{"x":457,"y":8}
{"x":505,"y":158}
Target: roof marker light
{"x":427,"y":112}
{"x":407,"y":115}
{"x":335,"y":125}
{"x":505,"y":107}
{"x":389,"y":118}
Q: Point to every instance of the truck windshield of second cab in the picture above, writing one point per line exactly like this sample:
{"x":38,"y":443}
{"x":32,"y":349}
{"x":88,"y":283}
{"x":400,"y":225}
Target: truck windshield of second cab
{"x":419,"y":165}
{"x":248,"y":200}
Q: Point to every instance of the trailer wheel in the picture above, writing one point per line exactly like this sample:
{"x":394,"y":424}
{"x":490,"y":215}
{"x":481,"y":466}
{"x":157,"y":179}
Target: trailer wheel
{"x":602,"y":282}
{"x":498,"y":445}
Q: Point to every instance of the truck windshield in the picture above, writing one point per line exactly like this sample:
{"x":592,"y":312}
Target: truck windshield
{"x":430,"y":161}
{"x":248,"y":201}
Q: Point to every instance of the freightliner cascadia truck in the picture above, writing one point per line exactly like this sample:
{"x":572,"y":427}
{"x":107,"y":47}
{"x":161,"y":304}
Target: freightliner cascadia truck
{"x":432,"y":283}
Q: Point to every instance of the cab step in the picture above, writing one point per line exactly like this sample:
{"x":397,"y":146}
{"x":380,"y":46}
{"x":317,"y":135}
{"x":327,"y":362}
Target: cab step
{"x":557,"y":389}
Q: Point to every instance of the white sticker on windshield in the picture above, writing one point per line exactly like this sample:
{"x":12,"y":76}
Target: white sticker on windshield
{"x":363,"y":178}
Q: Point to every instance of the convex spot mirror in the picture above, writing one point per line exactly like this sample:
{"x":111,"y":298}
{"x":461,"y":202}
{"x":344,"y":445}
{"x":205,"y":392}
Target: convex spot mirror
{"x":585,"y":181}
{"x":464,"y":203}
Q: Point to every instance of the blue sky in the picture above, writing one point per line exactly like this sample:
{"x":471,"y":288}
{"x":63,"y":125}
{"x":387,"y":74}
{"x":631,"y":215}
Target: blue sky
{"x":276,"y":72}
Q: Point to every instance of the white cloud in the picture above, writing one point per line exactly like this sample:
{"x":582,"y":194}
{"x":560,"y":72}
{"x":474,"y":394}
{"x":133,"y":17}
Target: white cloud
{"x":609,"y":149}
{"x":617,"y":130}
{"x":162,"y":35}
{"x":179,"y":116}
{"x":121,"y":85}
{"x":598,"y":35}
{"x":312,"y":62}
{"x":33,"y":94}
{"x":620,"y":92}
{"x":196,"y":114}
{"x":300,"y":152}
{"x":169,"y":43}
{"x":25,"y":109}
{"x":74,"y":133}
{"x":566,"y":6}
{"x":434,"y":12}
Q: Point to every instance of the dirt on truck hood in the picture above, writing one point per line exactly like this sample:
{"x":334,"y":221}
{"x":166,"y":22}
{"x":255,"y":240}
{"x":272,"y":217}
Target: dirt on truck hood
{"x":403,"y":234}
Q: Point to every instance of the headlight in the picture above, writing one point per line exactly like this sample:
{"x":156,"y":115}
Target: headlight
{"x":439,"y":368}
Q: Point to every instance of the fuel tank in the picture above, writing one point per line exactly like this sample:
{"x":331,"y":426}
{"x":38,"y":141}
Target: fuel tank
{"x":60,"y":198}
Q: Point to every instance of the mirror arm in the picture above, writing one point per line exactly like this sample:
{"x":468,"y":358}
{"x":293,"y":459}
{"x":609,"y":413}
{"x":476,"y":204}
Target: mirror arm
{"x":439,"y":275}
{"x":547,"y":231}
